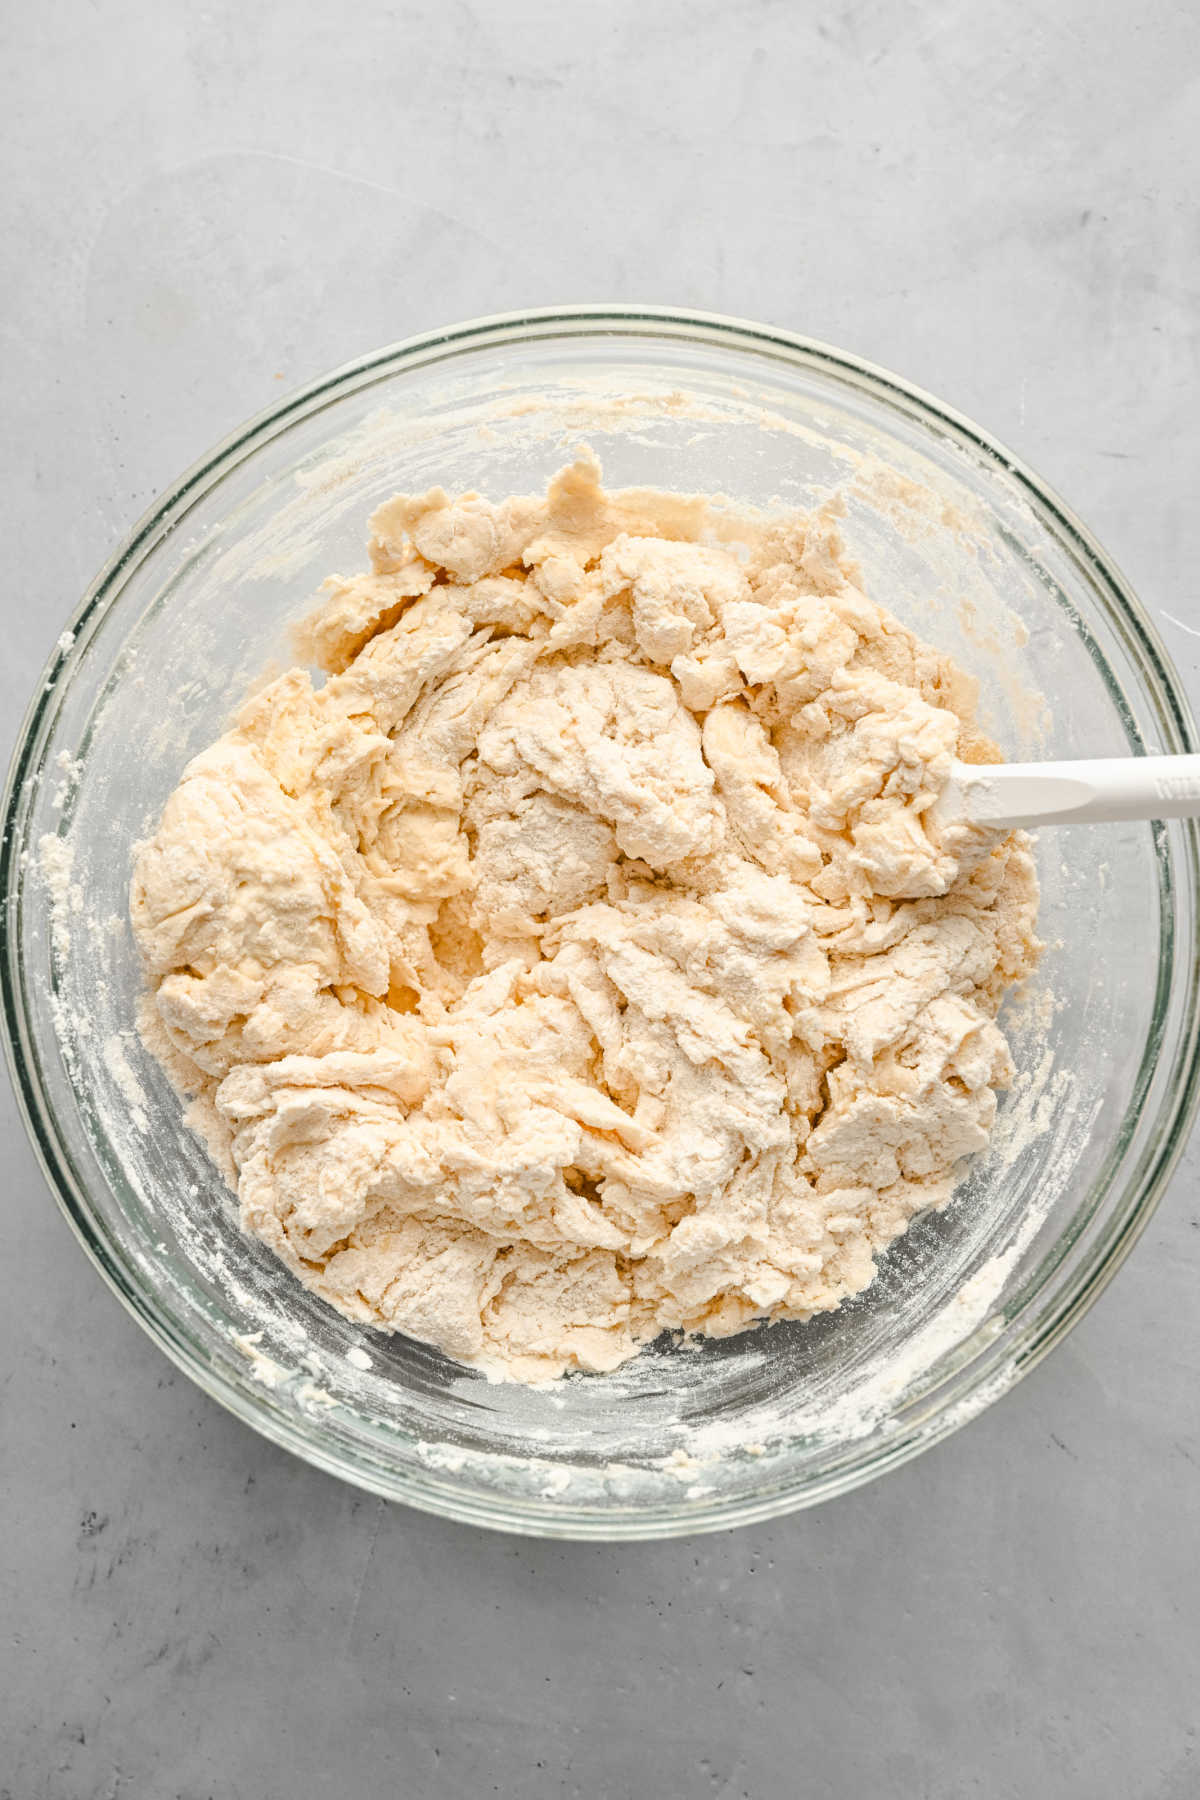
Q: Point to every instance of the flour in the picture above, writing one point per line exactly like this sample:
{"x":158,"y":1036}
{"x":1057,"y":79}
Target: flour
{"x":71,"y":769}
{"x":580,"y":960}
{"x":56,"y":856}
{"x":116,"y":1061}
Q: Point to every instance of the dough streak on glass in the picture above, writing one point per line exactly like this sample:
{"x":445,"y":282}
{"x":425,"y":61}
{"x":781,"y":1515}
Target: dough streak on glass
{"x":578,"y":960}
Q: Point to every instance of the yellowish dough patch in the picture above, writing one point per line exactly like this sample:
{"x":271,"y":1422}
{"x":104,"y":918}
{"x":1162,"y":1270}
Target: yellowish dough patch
{"x":578,"y":960}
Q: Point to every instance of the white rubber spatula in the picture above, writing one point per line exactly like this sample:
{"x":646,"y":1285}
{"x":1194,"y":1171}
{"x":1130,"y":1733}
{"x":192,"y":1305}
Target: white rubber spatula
{"x":1003,"y":796}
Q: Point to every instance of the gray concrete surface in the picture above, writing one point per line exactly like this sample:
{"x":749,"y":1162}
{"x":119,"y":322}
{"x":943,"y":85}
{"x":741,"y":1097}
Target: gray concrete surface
{"x":203,"y":203}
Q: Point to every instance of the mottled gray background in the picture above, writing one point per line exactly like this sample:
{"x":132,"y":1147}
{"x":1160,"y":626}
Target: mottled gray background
{"x":201,"y":203}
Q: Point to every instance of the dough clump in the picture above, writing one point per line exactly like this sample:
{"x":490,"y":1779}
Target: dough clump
{"x":579,"y":960}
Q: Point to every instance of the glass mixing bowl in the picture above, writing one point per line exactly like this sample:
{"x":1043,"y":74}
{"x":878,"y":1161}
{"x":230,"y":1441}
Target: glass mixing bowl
{"x":975,"y":553}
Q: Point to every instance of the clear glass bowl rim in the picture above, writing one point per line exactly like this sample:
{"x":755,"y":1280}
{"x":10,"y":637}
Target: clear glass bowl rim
{"x":1060,"y":1310}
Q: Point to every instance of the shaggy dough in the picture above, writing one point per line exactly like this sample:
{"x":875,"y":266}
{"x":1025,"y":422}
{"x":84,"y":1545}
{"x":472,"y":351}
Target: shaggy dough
{"x":579,"y":961}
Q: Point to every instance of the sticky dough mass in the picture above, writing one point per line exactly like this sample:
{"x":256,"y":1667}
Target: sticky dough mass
{"x":579,"y":959}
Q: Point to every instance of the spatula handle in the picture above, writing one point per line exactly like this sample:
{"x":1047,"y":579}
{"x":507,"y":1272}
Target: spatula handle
{"x":1005,"y":795}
